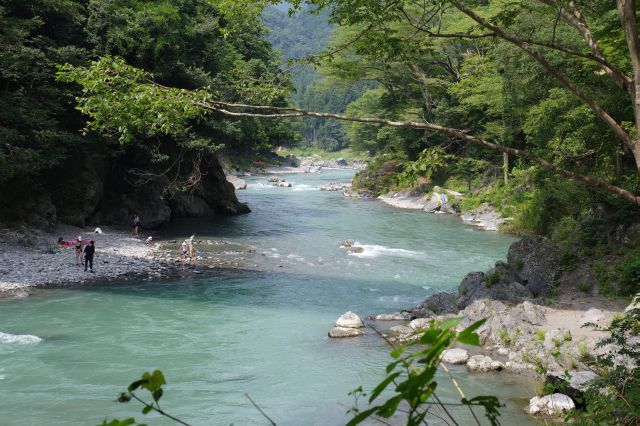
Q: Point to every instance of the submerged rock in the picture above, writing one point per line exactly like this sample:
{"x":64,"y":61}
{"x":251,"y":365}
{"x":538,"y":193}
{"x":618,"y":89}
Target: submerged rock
{"x":550,"y":405}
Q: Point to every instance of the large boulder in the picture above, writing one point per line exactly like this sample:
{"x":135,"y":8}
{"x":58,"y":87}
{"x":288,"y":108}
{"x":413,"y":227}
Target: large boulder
{"x":550,"y":405}
{"x":436,"y":304}
{"x":536,"y":261}
{"x":574,"y":385}
{"x":455,"y":356}
{"x":349,"y":320}
{"x":189,"y":205}
{"x":218,"y":192}
{"x":499,"y":283}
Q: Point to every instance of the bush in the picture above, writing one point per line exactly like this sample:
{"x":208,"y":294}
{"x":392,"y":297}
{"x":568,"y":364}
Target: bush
{"x":614,"y":397}
{"x":630,"y":275}
{"x":492,"y":278}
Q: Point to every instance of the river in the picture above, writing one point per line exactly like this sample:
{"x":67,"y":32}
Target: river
{"x":264,"y":333}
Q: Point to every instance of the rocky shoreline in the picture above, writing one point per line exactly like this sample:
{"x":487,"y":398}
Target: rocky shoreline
{"x":531,"y":328}
{"x":30,"y":258}
{"x":484,"y":216}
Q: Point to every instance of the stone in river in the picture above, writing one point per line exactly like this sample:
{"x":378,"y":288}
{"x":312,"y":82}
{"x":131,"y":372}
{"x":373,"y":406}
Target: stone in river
{"x":337,"y":332}
{"x":455,"y":356}
{"x":349,"y":320}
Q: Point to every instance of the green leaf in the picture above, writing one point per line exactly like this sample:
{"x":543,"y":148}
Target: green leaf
{"x":429,"y":337}
{"x":450,"y":323}
{"x":382,"y":386}
{"x":361,"y":416}
{"x":147,"y":409}
{"x":135,"y":385}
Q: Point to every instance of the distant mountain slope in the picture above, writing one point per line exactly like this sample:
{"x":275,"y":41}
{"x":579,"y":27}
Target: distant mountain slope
{"x":298,"y":36}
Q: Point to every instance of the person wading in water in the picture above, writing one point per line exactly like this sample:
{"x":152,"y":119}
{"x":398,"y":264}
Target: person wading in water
{"x":89,"y":251}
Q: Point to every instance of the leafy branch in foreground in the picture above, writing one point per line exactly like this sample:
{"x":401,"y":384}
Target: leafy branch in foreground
{"x":152,"y":382}
{"x":413,"y":374}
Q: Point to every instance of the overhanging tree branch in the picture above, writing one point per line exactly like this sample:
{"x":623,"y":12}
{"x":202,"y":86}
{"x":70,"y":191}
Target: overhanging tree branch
{"x":571,"y":14}
{"x":290,"y":112}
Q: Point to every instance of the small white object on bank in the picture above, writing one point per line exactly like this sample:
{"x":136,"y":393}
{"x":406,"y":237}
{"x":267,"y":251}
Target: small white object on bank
{"x":550,"y":405}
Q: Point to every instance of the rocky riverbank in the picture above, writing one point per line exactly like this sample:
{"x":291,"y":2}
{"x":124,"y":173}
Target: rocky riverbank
{"x":444,"y":201}
{"x":540,"y":322}
{"x":31,"y":258}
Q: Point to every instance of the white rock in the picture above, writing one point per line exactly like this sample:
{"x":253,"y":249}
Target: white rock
{"x":338,"y":332}
{"x":550,"y":405}
{"x":420,"y":323}
{"x":503,"y":351}
{"x":349,"y":320}
{"x":479,"y":364}
{"x":455,"y":356}
{"x":593,"y":315}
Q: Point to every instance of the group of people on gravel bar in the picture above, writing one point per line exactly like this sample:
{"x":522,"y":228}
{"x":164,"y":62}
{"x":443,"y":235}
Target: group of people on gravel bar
{"x":84,"y":253}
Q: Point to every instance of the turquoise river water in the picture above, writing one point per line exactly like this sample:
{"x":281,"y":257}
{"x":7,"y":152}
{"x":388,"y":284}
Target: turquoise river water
{"x":264,"y":333}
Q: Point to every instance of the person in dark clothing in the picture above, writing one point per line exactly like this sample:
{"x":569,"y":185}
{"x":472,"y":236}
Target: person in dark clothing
{"x":89,"y":251}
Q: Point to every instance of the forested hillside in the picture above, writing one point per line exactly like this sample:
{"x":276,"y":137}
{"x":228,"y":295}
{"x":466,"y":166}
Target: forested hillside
{"x":300,"y":36}
{"x":50,"y":170}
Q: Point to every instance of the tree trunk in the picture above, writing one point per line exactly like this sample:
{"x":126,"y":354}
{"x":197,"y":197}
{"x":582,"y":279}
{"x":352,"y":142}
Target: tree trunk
{"x":505,"y":168}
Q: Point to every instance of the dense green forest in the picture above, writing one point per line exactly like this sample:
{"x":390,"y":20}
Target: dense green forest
{"x":300,"y":36}
{"x":51,"y":170}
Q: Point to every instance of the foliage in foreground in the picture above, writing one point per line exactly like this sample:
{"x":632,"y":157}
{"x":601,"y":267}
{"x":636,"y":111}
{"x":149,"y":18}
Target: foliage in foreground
{"x":413,"y":373}
{"x":614,"y":397}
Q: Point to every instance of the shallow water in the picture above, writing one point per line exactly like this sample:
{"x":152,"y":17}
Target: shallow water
{"x":258,"y":332}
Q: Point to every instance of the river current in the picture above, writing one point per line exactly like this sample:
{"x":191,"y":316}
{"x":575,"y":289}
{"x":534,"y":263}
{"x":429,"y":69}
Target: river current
{"x":65,"y":354}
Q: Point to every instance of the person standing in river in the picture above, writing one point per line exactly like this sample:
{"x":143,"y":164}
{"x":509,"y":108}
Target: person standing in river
{"x":136,"y":225}
{"x":89,"y":251}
